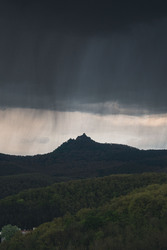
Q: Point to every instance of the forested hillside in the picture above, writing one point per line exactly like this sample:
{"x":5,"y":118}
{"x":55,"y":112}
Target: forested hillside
{"x":82,"y":205}
{"x":30,"y":208}
{"x":135,"y":221}
{"x":85,"y":158}
{"x":14,"y":184}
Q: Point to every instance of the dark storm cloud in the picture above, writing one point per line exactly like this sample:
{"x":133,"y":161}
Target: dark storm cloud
{"x":71,"y":55}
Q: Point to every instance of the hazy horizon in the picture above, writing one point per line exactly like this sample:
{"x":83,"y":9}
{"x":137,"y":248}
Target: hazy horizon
{"x":35,"y":135}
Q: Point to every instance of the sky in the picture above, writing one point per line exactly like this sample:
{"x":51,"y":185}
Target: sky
{"x":73,"y":67}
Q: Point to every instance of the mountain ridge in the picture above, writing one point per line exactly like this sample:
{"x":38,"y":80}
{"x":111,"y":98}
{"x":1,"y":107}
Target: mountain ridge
{"x":84,"y":140}
{"x":83,"y":157}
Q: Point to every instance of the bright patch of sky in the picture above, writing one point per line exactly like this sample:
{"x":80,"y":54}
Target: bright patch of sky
{"x":32,"y":131}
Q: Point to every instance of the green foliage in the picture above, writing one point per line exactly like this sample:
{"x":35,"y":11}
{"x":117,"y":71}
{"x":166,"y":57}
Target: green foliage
{"x":30,"y":208}
{"x":136,"y":221}
{"x":8,"y":232}
{"x":13,"y":184}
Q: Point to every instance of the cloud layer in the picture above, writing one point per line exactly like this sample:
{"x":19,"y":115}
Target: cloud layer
{"x":68,"y":57}
{"x":68,"y":67}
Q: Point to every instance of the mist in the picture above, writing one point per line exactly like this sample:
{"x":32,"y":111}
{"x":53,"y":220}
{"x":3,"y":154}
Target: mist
{"x":32,"y":131}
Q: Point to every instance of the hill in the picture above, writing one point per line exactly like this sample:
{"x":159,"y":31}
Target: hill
{"x":84,"y":157}
{"x":125,"y":218}
{"x":118,"y":211}
{"x":32,"y":207}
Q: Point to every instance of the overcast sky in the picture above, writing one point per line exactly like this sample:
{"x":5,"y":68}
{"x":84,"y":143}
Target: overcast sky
{"x":68,"y":67}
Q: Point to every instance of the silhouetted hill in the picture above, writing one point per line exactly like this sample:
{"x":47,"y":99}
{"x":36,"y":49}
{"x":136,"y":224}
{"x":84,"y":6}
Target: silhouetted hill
{"x":84,"y":157}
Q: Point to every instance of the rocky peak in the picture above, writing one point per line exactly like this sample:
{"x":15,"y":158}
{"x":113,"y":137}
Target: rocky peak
{"x":83,"y":137}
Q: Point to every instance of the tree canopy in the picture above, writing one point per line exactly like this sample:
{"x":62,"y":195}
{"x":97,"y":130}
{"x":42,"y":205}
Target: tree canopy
{"x":8,"y":231}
